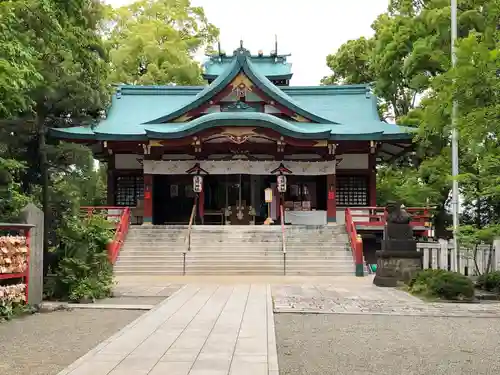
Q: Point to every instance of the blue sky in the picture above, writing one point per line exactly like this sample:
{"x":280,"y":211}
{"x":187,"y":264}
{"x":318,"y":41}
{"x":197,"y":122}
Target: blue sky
{"x":309,"y":30}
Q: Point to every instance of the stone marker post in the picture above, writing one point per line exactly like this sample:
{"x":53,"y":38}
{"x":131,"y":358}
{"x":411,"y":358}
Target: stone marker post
{"x":34,"y":216}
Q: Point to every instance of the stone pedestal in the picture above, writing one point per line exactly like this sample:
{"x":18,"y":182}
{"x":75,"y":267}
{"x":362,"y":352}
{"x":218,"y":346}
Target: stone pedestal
{"x":398,"y":261}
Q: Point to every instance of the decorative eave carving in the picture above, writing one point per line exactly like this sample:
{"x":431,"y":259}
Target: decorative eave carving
{"x":146,"y":148}
{"x":281,"y":144}
{"x":197,"y":144}
{"x":332,"y":147}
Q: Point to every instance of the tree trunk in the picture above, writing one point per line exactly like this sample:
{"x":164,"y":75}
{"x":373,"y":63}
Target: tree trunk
{"x":42,"y":150}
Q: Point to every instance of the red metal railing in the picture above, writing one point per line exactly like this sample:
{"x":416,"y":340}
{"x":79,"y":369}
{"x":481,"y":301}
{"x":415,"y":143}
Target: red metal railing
{"x":122,"y":218}
{"x":376,"y":217}
{"x":25,"y":229}
{"x":356,"y":243}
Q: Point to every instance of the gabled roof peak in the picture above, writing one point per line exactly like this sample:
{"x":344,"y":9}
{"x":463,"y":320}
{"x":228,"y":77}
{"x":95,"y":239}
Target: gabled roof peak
{"x":272,"y":66}
{"x":242,"y":68}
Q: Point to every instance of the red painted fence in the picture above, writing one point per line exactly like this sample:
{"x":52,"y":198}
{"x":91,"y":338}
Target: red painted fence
{"x":368,"y":218}
{"x":120,"y":215}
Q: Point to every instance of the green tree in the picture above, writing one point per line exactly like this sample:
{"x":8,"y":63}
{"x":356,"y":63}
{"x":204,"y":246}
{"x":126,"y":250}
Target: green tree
{"x":68,"y":57}
{"x":351,"y":64}
{"x":408,"y":58}
{"x":154,"y":42}
{"x":12,"y":200}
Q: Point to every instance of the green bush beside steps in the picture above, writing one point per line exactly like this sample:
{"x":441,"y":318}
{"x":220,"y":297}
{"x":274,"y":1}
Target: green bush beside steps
{"x":442,"y":284}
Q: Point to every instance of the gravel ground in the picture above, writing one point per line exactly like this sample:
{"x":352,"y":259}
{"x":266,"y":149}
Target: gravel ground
{"x":44,"y":344}
{"x":394,"y":345}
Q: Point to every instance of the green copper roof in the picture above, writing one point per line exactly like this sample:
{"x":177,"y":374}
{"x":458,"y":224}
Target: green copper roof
{"x":265,"y":120}
{"x":146,"y":112}
{"x":272,"y":67}
{"x":242,"y":63}
{"x":373,"y":130}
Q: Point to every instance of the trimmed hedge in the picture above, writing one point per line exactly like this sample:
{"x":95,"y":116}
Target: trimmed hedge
{"x":489,"y":281}
{"x":442,"y":284}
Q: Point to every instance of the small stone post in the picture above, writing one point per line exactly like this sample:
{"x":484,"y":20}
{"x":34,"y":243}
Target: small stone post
{"x":34,"y":216}
{"x":496,"y":259}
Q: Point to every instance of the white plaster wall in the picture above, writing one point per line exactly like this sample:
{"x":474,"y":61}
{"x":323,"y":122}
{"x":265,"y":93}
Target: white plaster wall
{"x":213,"y":109}
{"x":353,"y":161}
{"x":177,"y":157}
{"x":341,"y":215}
{"x":128,"y":161}
{"x":302,"y":157}
{"x":271,"y":109}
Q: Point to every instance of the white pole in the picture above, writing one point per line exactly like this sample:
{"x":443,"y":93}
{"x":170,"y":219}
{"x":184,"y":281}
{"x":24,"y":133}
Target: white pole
{"x":454,"y":131}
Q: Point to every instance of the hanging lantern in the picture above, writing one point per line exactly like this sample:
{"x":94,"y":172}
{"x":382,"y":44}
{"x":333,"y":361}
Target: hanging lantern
{"x":197,"y":184}
{"x":281,"y":181}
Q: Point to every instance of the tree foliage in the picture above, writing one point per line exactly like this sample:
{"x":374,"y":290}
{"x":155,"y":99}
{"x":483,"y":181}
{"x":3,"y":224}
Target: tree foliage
{"x":154,"y":42}
{"x":408,"y":62}
{"x":57,"y":60}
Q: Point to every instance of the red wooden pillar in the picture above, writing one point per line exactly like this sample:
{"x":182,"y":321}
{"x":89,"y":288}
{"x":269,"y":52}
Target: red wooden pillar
{"x":372,"y":170}
{"x":148,"y":200}
{"x":331,"y":204}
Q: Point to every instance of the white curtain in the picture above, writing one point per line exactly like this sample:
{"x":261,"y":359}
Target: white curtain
{"x":304,"y":168}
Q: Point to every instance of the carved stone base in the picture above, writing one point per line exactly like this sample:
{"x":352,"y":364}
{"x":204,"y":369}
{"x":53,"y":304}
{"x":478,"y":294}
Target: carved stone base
{"x":394,"y":267}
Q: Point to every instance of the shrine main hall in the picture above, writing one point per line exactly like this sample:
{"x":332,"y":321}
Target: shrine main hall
{"x":239,"y":132}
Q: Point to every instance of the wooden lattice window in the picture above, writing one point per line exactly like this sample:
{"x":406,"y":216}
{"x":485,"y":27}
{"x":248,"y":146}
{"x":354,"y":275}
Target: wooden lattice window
{"x":352,"y":191}
{"x":129,"y":189}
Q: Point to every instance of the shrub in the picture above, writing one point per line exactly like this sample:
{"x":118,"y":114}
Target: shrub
{"x":442,"y":284}
{"x":83,"y":270}
{"x":489,"y":281}
{"x":423,"y":276}
{"x":452,"y":286}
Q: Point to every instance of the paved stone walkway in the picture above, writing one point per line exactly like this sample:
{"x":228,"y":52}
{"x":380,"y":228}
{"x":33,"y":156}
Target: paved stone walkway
{"x":200,"y":330}
{"x":362,"y":297}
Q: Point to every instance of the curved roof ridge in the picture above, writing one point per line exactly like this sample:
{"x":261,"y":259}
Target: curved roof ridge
{"x":241,"y":62}
{"x":236,"y":119}
{"x":279,"y":95}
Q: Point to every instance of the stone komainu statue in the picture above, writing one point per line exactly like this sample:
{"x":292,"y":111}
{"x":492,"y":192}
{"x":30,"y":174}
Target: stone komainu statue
{"x":398,"y":222}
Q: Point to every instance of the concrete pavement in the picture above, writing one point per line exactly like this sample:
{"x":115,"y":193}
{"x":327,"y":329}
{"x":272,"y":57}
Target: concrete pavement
{"x":202,"y":329}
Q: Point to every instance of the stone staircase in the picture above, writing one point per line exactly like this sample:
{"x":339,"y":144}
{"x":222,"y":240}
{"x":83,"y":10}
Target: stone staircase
{"x":236,"y":250}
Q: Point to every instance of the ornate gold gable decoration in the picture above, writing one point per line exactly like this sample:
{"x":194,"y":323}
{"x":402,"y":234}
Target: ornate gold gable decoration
{"x":241,"y":85}
{"x":299,"y":118}
{"x":184,"y":118}
{"x":238,"y":135}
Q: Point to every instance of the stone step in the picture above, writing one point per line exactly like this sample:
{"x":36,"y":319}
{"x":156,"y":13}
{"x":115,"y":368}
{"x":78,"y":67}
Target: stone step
{"x":237,"y":246}
{"x":229,"y":253}
{"x":208,"y":255}
{"x":227,"y":231}
{"x":235,"y":273}
{"x":231,"y":268}
{"x":236,"y":252}
{"x":304,"y":262}
{"x":308,"y":240}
